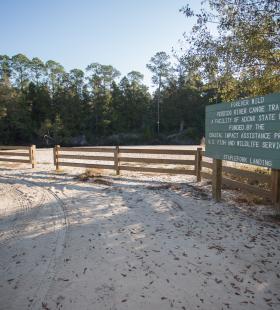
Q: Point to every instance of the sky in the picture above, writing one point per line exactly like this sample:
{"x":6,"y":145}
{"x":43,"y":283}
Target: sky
{"x":122,"y":33}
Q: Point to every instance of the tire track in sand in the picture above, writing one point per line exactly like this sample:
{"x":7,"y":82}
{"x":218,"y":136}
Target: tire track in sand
{"x":59,"y":227}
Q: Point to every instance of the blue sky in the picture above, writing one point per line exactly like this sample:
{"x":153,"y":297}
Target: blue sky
{"x":123,"y":33}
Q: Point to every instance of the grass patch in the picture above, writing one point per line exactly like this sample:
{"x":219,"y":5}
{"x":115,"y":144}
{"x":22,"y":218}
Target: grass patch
{"x":89,"y":174}
{"x":93,"y":175}
{"x":253,"y":182}
{"x":250,"y":200}
{"x":59,"y":171}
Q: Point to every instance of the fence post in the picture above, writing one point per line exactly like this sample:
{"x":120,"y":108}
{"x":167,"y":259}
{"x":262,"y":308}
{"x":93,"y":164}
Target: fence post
{"x":217,"y":179}
{"x":30,"y":154}
{"x":54,"y":156}
{"x":116,"y":157}
{"x":198,"y":158}
{"x":275,"y":184}
{"x":56,"y":160}
{"x":33,"y":155}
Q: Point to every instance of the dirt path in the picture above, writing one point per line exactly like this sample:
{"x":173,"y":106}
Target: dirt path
{"x":130,"y":244}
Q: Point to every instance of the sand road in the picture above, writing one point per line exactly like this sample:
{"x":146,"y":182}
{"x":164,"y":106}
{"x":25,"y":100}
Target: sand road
{"x":130,"y":243}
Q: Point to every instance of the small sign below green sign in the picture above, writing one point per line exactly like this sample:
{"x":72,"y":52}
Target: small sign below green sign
{"x":245,"y":131}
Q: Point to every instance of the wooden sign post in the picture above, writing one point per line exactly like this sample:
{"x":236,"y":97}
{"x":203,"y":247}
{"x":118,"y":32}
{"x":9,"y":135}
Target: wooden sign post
{"x":275,"y":177}
{"x":198,"y":158}
{"x":217,"y":180}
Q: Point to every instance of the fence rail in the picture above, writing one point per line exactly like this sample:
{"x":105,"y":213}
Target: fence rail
{"x":246,"y":187}
{"x":158,"y":170}
{"x":59,"y":155}
{"x":18,"y":154}
{"x":250,"y":175}
{"x":87,"y":149}
{"x":11,"y":147}
{"x":158,"y":151}
{"x":234,"y":178}
{"x":125,"y":159}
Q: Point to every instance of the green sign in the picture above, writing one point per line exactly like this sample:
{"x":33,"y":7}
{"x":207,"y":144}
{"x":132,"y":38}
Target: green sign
{"x":245,"y":131}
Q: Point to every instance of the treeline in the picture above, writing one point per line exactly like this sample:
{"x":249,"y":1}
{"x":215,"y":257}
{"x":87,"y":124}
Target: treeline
{"x":41,"y":102}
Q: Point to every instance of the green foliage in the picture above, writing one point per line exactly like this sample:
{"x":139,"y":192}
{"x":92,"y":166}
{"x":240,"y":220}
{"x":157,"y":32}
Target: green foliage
{"x":160,"y":66}
{"x":243,"y":58}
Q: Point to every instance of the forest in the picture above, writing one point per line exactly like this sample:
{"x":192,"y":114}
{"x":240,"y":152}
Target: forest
{"x":41,"y":103}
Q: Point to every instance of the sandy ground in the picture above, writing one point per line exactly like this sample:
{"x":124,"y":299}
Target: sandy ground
{"x":133,"y":242}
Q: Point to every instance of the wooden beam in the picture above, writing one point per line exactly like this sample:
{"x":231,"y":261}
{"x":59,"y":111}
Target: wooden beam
{"x":15,"y":160}
{"x":207,"y":164}
{"x":86,"y":157}
{"x":198,"y":158}
{"x":116,"y":160}
{"x":86,"y":165}
{"x":157,"y":161}
{"x":275,"y":186}
{"x":217,"y":180}
{"x":54,"y":156}
{"x":158,"y":151}
{"x":4,"y":153}
{"x":57,"y":149}
{"x":88,"y":149}
{"x":251,"y":175}
{"x":33,"y":155}
{"x":246,"y":187}
{"x":11,"y":147}
{"x":158,"y":170}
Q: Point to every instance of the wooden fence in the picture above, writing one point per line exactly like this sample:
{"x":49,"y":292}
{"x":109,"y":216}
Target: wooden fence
{"x":261,"y":184}
{"x":62,"y":153}
{"x":171,"y":161}
{"x":187,"y":162}
{"x":18,"y":154}
{"x":127,"y":159}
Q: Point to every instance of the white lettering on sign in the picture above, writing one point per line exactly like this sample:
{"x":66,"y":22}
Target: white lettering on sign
{"x":222,"y":120}
{"x":260,"y":162}
{"x":267,"y":117}
{"x":240,"y":111}
{"x":259,"y":126}
{"x":224,"y":113}
{"x":271,"y":145}
{"x":258,"y":109}
{"x":236,"y":127}
{"x":231,"y":135}
{"x":248,"y":143}
{"x":240,"y":159}
{"x":241,"y":103}
{"x":256,"y":135}
{"x":258,"y":100}
{"x":249,"y":118}
{"x":215,"y":135}
{"x":273,"y":107}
